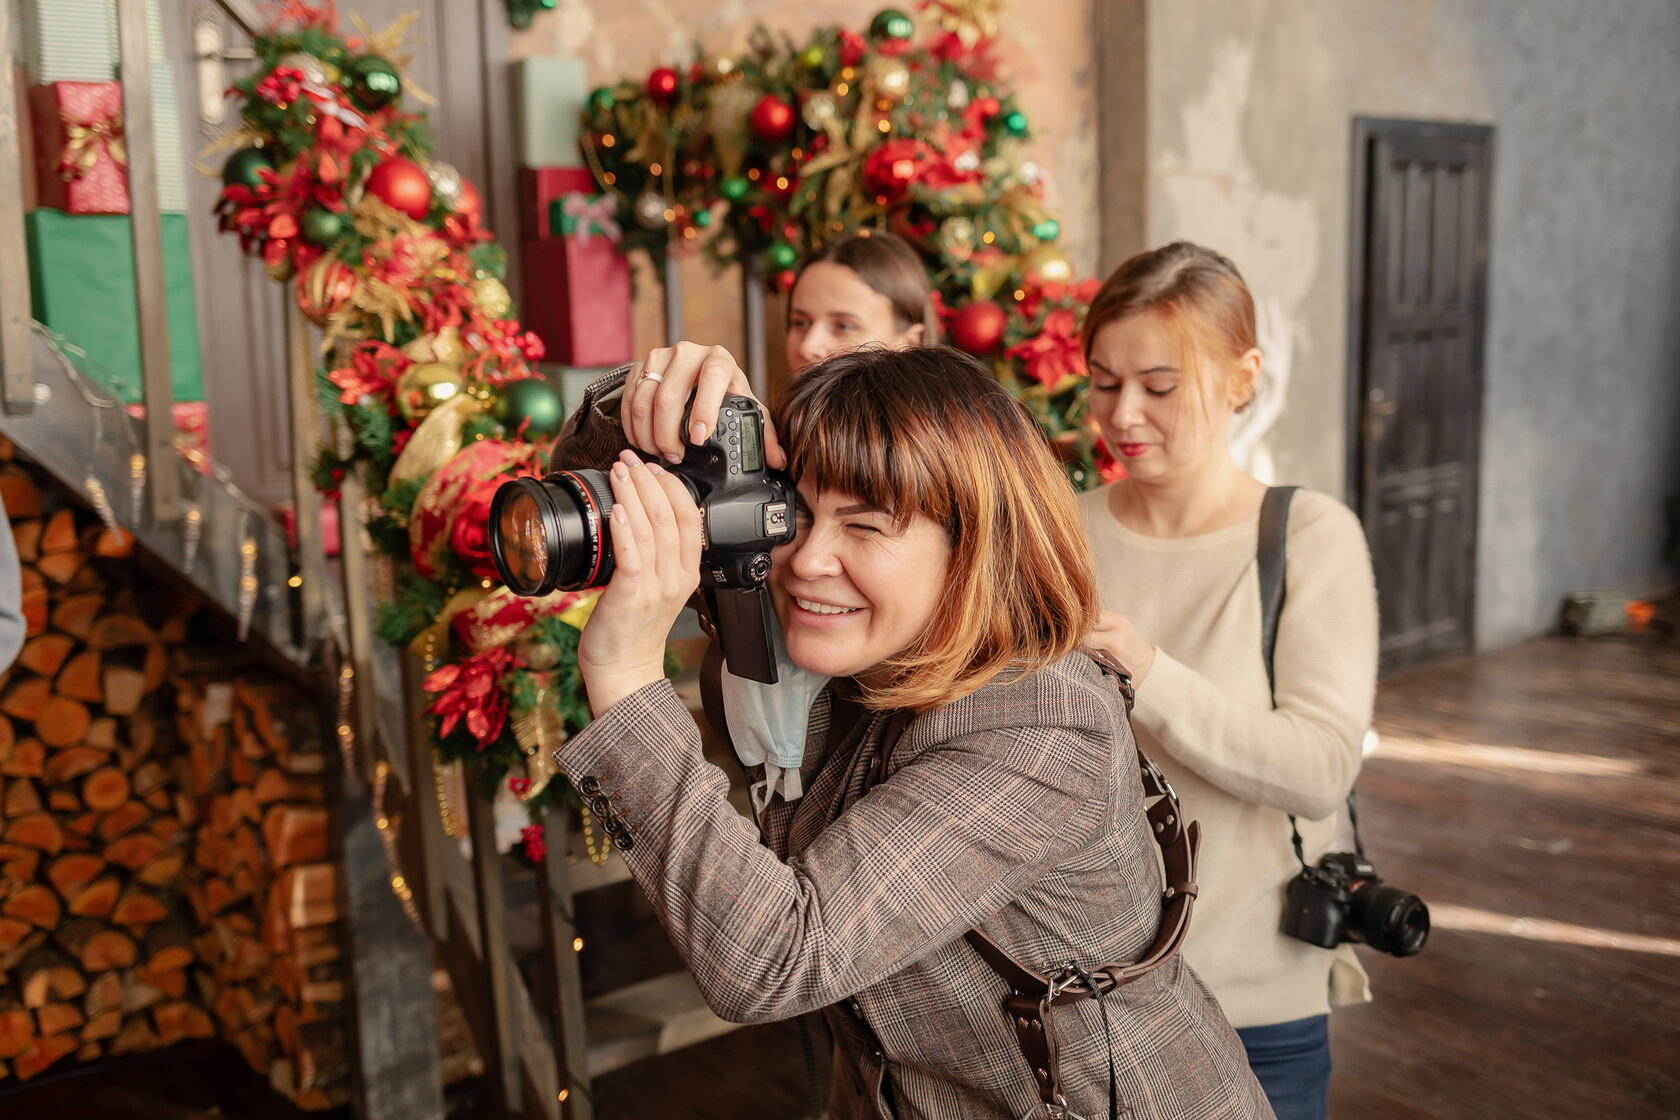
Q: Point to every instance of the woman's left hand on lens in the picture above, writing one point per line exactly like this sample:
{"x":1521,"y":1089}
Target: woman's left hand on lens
{"x":654,"y":408}
{"x":655,"y":528}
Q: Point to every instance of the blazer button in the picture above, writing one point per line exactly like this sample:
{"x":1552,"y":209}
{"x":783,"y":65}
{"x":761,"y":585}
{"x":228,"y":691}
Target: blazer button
{"x":599,"y":805}
{"x":589,"y":786}
{"x":624,"y":842}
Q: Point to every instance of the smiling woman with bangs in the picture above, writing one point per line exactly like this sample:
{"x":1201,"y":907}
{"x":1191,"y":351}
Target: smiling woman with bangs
{"x":967,"y":885}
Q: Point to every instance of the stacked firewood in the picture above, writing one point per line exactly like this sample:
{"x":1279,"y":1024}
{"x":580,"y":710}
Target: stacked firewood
{"x":164,"y":844}
{"x":261,"y":884}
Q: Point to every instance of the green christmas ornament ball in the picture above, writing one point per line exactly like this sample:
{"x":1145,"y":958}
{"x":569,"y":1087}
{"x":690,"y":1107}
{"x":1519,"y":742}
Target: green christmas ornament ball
{"x":783,"y":256}
{"x":812,"y":56}
{"x":243,"y":166}
{"x":733,"y":188}
{"x":322,"y":227}
{"x":602,"y":100}
{"x":890,"y":23}
{"x":702,"y":218}
{"x":1047,"y":229}
{"x":529,"y":408}
{"x":1015,"y":123}
{"x":373,"y":82}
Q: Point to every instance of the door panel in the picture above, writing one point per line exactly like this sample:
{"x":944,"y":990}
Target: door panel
{"x":241,"y":310}
{"x":1415,"y":387}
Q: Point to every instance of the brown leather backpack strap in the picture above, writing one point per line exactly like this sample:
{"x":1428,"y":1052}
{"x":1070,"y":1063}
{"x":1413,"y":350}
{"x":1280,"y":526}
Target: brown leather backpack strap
{"x":711,"y":692}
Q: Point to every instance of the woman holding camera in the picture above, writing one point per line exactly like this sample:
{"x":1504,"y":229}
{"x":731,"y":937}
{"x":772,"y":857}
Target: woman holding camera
{"x":964,"y":769}
{"x":1170,"y":342}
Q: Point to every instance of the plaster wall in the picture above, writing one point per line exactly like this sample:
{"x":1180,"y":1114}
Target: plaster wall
{"x":1045,"y":50}
{"x":1250,"y":104}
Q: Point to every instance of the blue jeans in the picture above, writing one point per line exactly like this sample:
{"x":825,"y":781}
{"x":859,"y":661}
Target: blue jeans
{"x":1292,"y":1063}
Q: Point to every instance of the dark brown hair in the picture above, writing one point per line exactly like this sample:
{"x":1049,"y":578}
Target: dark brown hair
{"x":930,"y":431}
{"x":890,"y":266}
{"x":1199,"y":292}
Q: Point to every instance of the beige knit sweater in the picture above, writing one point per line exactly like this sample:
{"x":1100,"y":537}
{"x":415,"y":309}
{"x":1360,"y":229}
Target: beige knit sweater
{"x":1204,"y":713}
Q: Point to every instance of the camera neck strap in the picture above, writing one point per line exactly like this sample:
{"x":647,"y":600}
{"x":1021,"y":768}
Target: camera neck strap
{"x":1272,"y":558}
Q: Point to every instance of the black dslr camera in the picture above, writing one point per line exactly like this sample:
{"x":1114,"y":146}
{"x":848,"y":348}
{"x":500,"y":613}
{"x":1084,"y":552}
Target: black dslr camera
{"x":551,"y":534}
{"x":1342,"y":899}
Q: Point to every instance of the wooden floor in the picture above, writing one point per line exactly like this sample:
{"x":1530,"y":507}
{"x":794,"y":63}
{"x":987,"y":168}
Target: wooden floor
{"x":1532,"y":798}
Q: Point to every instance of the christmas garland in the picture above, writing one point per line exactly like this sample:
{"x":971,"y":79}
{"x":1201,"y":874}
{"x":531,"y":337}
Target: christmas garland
{"x":764,"y":157}
{"x":428,"y":384}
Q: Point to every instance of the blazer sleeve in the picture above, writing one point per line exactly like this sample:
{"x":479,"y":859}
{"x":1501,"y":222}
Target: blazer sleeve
{"x":941,"y":845}
{"x":1303,"y":756}
{"x":592,"y":436}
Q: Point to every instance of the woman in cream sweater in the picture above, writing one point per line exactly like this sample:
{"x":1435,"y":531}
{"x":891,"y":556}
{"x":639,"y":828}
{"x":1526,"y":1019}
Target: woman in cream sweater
{"x":1170,"y":342}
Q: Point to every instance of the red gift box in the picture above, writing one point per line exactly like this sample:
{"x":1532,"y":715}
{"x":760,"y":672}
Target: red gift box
{"x":192,"y":431}
{"x":539,"y":186}
{"x":81,"y":165}
{"x":577,"y":299}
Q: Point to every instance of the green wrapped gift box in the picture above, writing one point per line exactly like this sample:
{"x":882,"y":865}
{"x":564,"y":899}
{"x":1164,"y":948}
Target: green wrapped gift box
{"x":81,"y":277}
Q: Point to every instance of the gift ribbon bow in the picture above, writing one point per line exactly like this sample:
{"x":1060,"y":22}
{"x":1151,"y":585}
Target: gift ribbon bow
{"x":593,"y":212}
{"x":86,"y":140}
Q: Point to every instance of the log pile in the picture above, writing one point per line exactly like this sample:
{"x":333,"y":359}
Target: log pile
{"x":165,"y":870}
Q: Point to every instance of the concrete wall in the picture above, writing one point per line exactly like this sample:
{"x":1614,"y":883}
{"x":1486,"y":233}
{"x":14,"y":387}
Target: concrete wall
{"x":1046,"y":51}
{"x":1248,"y":149}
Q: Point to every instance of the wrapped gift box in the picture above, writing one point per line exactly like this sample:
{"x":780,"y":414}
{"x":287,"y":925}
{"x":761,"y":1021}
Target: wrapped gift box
{"x":81,"y":165}
{"x":549,"y":93}
{"x":78,"y":132}
{"x":540,"y":187}
{"x":192,"y":431}
{"x":577,"y":299}
{"x":81,"y":275}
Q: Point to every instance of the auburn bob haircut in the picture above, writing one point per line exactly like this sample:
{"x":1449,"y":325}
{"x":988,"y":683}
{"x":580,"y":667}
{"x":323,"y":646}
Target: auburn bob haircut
{"x":930,"y":431}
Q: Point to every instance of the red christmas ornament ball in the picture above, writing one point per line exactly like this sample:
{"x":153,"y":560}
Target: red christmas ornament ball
{"x":772,"y":119}
{"x":402,"y":185}
{"x":471,"y":204}
{"x":978,"y":327}
{"x":662,"y":85}
{"x":784,"y":279}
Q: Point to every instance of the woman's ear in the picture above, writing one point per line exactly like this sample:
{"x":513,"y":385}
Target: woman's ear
{"x":912,"y":337}
{"x":1247,"y":379}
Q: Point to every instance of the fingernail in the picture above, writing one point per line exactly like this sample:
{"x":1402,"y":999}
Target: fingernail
{"x":655,"y":468}
{"x":673,"y":457}
{"x":619,"y":515}
{"x":697,"y":433}
{"x":620,"y":471}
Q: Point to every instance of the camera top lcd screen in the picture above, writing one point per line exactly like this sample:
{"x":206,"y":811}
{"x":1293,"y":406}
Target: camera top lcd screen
{"x":751,"y":443}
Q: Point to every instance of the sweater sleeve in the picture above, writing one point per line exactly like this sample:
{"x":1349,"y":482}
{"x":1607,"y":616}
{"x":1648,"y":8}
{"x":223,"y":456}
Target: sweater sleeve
{"x":1303,"y":756}
{"x":941,"y":845}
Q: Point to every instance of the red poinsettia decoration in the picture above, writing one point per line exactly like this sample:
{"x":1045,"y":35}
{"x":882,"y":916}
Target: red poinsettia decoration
{"x":372,"y":373}
{"x":470,"y":692}
{"x":1054,"y":354}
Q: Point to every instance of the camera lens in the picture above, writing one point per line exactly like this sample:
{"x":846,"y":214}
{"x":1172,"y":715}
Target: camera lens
{"x":1389,"y":919}
{"x":550,"y":534}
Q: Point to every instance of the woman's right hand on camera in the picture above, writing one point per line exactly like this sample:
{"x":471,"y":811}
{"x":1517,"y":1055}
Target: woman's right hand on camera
{"x":656,"y":530}
{"x":656,"y":393}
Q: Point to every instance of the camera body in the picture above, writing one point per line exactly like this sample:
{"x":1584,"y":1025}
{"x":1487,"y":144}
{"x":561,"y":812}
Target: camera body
{"x":1343,"y":899}
{"x":551,"y":533}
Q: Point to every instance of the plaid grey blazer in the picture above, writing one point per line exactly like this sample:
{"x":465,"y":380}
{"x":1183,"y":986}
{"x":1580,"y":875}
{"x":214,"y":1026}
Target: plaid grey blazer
{"x":1017,"y":809}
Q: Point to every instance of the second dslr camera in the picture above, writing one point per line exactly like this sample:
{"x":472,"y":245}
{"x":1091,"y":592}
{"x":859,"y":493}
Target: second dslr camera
{"x":1342,"y":899}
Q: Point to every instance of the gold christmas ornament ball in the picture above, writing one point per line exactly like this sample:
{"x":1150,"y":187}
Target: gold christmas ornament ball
{"x":536,"y":653}
{"x":819,"y":109}
{"x":425,"y":386}
{"x":492,"y":296}
{"x":1047,"y":263}
{"x":891,"y":78}
{"x":445,"y":346}
{"x":956,"y":237}
{"x":446,"y":183}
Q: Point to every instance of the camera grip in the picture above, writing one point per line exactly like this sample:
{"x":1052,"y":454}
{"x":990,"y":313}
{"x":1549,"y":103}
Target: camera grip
{"x":745,"y":622}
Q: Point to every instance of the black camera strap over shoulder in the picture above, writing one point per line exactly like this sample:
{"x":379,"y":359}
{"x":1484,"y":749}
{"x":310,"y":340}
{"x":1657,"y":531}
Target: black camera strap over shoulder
{"x":1272,"y":557}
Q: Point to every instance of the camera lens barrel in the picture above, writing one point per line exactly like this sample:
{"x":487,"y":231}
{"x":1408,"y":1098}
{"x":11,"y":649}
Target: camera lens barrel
{"x":551,"y":534}
{"x":1388,"y":919}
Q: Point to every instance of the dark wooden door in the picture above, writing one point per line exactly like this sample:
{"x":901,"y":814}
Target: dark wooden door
{"x":1419,"y":284}
{"x":240,"y":310}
